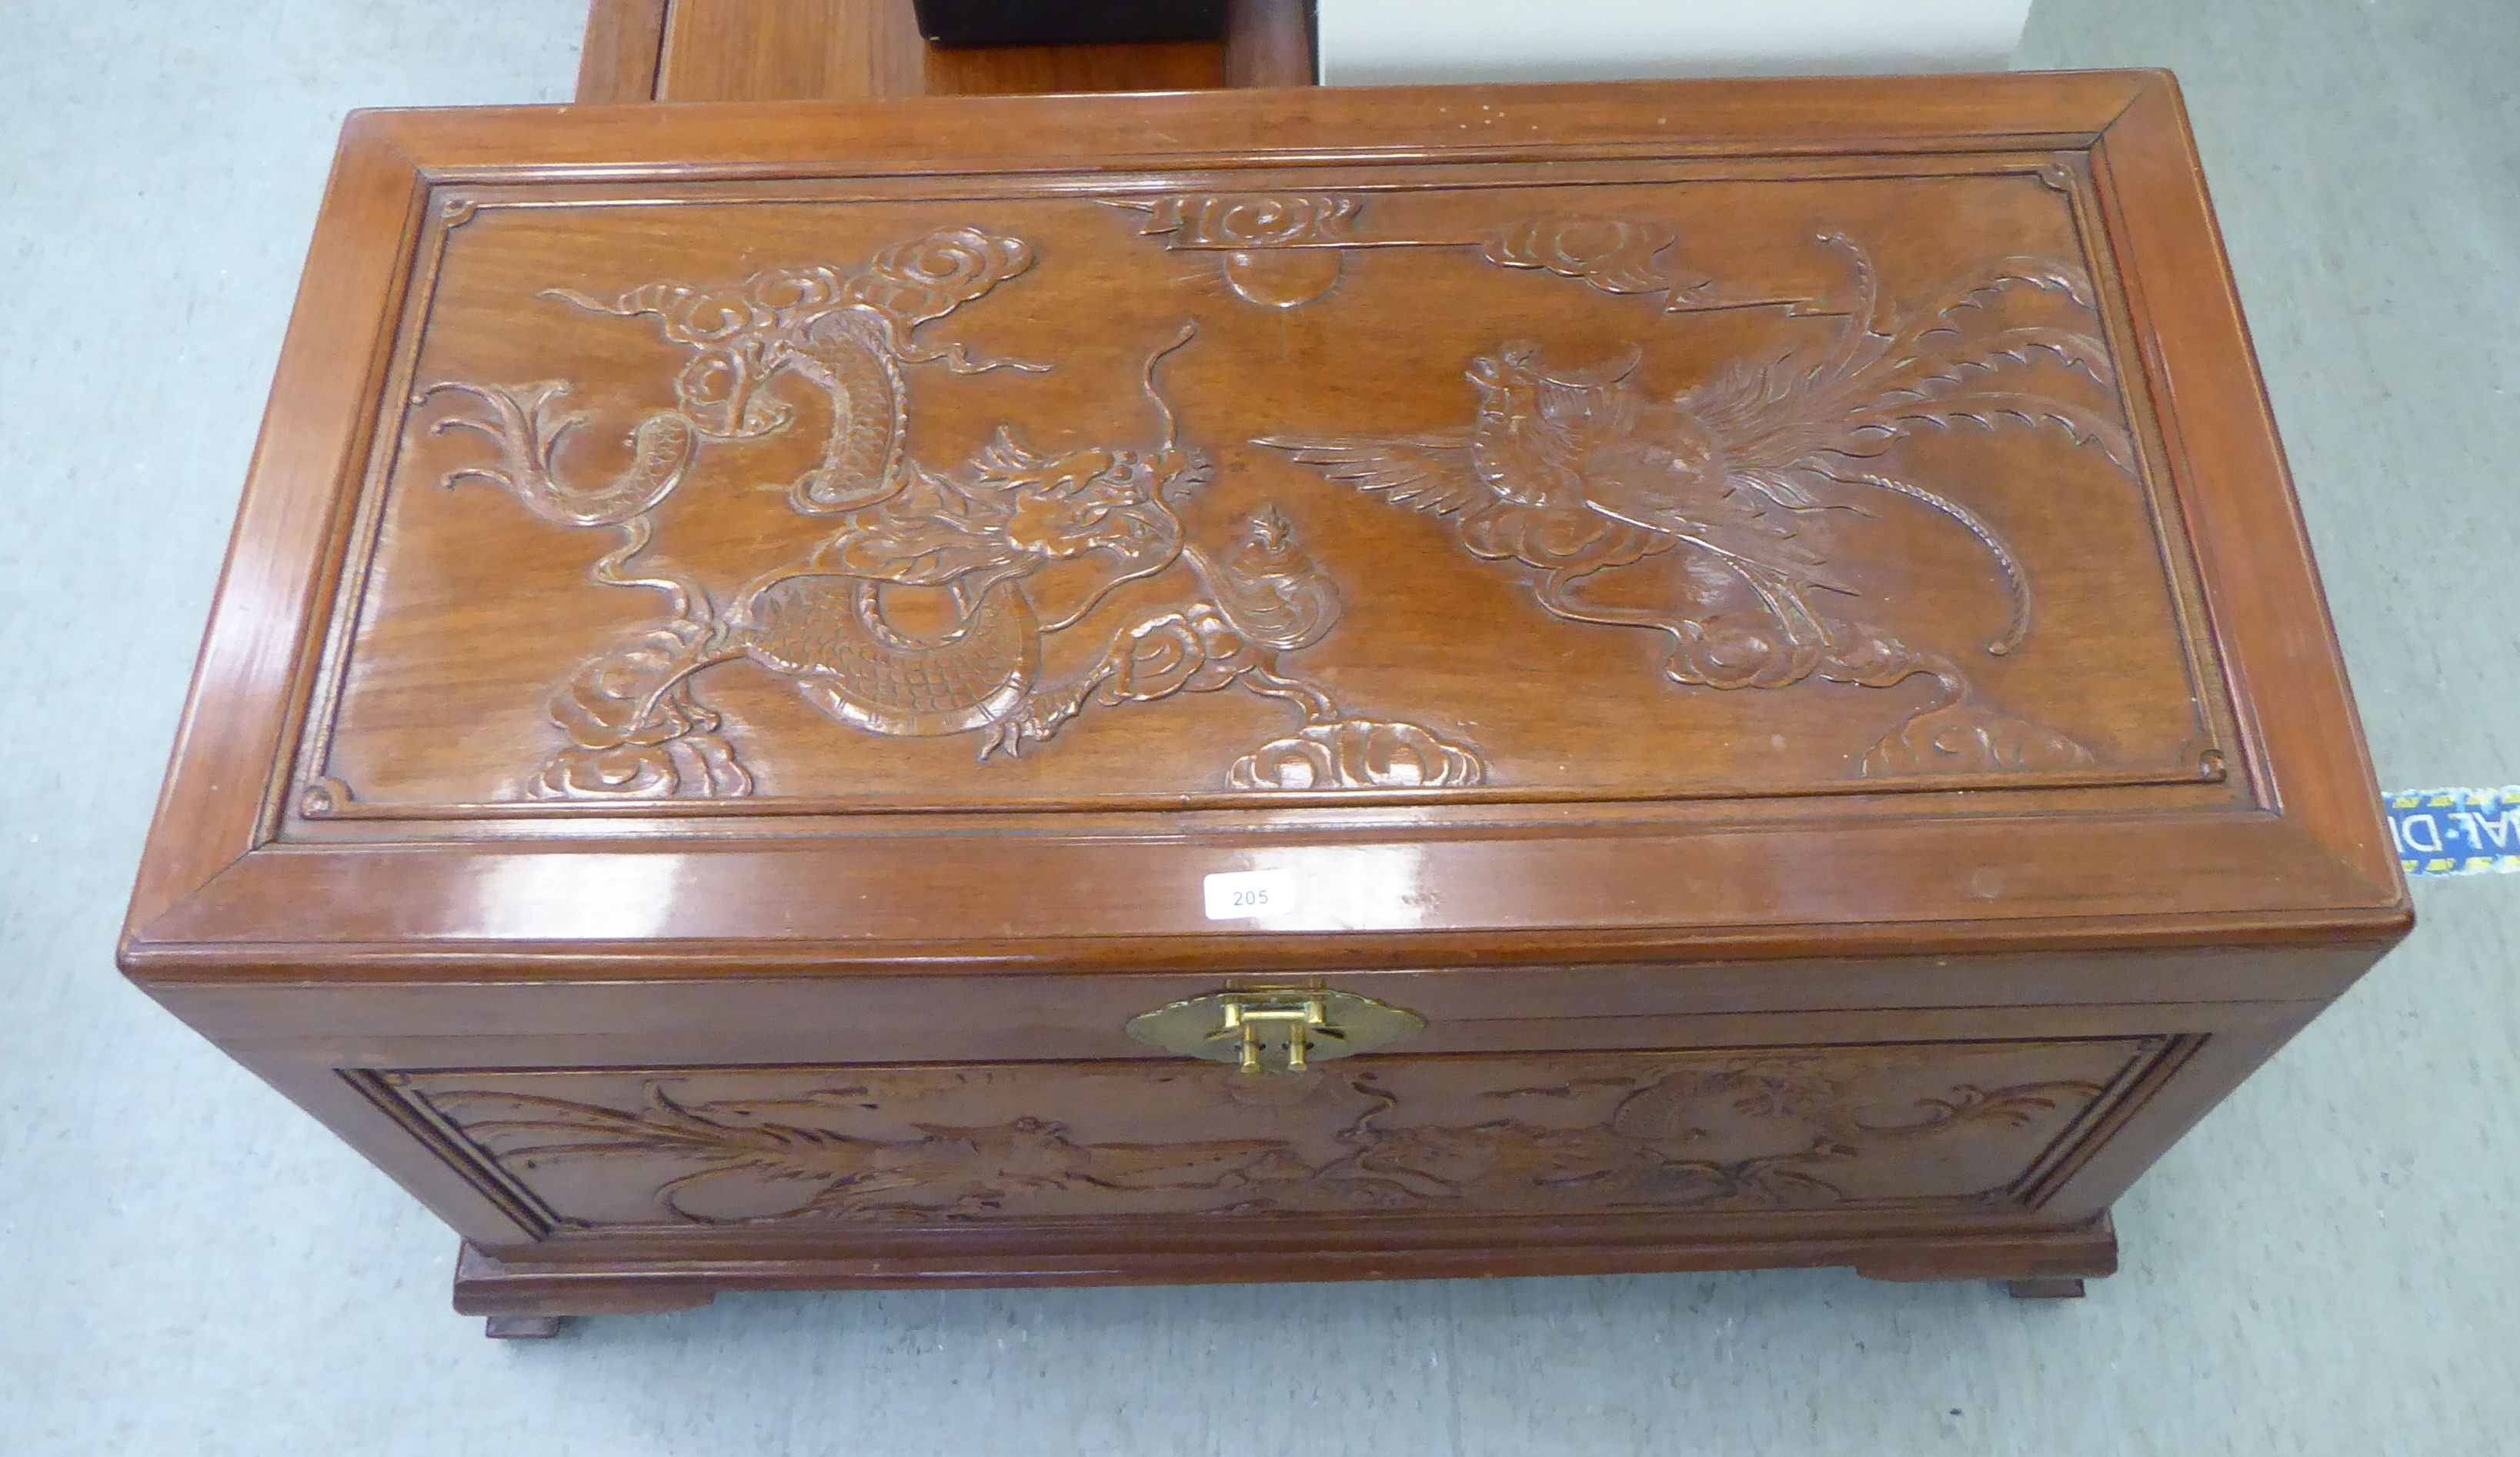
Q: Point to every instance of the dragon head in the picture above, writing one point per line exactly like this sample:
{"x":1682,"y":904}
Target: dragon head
{"x":1102,"y":498}
{"x":1099,"y":498}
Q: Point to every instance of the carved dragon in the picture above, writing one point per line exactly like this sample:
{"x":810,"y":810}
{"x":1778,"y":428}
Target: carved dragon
{"x":974,"y":545}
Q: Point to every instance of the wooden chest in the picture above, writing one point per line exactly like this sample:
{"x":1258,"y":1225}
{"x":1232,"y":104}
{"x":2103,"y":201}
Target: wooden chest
{"x":1267,"y":686}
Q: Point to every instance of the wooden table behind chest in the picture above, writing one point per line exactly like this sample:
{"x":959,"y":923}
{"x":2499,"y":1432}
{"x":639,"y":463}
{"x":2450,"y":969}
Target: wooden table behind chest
{"x":1764,"y":619}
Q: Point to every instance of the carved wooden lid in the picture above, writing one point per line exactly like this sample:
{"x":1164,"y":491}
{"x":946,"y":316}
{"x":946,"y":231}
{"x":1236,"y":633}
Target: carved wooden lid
{"x":1326,"y":473}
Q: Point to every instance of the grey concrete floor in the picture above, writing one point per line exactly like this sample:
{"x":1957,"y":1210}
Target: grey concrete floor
{"x":2326,"y":1266}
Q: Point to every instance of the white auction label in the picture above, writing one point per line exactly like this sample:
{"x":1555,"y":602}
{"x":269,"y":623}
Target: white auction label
{"x":1240,"y":894}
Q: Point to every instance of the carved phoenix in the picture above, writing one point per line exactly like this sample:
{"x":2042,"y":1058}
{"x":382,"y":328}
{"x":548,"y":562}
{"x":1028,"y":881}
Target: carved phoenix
{"x":1577,"y":473}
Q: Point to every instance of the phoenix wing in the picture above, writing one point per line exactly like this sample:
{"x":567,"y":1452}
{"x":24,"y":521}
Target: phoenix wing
{"x":1429,"y":473}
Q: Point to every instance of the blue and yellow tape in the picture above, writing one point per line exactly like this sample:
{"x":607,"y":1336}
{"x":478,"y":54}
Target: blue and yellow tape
{"x":2456,"y":831}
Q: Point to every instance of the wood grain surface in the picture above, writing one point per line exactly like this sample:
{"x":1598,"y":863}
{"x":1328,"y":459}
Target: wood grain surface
{"x":617,"y":62}
{"x":1678,"y":579}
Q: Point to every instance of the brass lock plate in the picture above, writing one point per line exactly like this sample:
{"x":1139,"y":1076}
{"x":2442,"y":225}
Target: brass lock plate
{"x":1274,"y":1031}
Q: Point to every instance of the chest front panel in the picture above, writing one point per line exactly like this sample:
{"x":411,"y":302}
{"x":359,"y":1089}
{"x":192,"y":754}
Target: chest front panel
{"x":1953,"y":1126}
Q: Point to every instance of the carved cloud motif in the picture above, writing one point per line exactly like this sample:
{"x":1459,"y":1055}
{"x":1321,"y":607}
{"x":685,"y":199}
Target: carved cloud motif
{"x":1280,"y":250}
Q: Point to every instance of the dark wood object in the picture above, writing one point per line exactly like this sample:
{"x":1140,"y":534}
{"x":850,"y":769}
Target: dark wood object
{"x":837,"y":50}
{"x":1763,"y":621}
{"x":1027,"y":22}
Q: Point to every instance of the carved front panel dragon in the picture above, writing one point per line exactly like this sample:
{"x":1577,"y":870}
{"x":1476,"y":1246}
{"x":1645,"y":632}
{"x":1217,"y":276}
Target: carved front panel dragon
{"x":885,"y":525}
{"x":1954,"y":1124}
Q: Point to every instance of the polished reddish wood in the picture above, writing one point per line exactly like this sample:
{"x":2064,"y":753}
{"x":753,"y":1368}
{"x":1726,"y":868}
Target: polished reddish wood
{"x":521,"y":1287}
{"x":1269,"y":43}
{"x":616,"y":63}
{"x":1769,"y":614}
